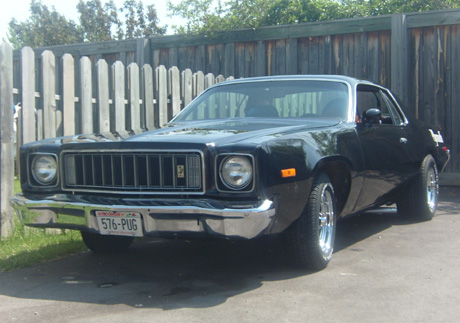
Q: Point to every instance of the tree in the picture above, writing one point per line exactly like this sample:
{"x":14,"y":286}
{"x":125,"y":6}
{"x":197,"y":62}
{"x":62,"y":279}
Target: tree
{"x":98,"y":22}
{"x":204,"y":18}
{"x":44,"y":27}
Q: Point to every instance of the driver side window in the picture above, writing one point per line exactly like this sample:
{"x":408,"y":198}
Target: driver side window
{"x":370,"y":97}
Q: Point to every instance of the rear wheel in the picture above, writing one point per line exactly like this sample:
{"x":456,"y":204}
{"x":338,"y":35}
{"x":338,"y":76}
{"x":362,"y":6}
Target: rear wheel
{"x":105,"y":244}
{"x":421,"y":198}
{"x":311,"y":239}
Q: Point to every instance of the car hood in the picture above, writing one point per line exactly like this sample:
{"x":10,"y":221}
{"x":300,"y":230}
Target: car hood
{"x":227,"y":131}
{"x":209,"y":132}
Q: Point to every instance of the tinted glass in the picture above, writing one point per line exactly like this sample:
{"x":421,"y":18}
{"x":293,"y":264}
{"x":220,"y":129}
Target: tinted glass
{"x":273,"y":99}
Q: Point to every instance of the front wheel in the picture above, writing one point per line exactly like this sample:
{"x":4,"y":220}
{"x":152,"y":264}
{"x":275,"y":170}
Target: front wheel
{"x":421,"y":198}
{"x":310,"y":240}
{"x":105,"y":244}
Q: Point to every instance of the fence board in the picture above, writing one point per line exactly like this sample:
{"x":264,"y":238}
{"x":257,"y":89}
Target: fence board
{"x":118,"y":71}
{"x":147,"y":78}
{"x":174,"y":84}
{"x":28,"y":95}
{"x":6,"y":151}
{"x":49,"y":94}
{"x":161,"y":88}
{"x":68,"y":94}
{"x":86,"y":96}
{"x":103,"y":96}
{"x":187,"y":87}
{"x":134,"y":98}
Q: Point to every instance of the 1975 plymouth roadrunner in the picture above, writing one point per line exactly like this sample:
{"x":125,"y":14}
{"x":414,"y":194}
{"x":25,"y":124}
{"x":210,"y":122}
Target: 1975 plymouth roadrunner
{"x":284,"y":155}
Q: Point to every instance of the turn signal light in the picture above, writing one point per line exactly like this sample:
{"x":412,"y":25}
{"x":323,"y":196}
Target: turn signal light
{"x":290,"y":172}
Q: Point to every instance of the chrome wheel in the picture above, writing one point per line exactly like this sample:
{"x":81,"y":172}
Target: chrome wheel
{"x":310,"y":240}
{"x":432,"y":189}
{"x":326,"y":222}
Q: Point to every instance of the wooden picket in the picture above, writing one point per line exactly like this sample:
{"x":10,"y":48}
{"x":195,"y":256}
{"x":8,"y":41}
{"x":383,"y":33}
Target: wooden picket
{"x":88,"y":100}
{"x":91,"y":100}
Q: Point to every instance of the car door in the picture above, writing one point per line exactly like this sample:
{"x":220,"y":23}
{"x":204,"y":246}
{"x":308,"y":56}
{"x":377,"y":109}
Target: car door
{"x":388,"y":152}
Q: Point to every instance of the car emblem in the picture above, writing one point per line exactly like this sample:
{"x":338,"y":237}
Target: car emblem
{"x":180,"y":171}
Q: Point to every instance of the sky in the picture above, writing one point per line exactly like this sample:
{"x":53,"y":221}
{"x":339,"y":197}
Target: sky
{"x":19,"y":9}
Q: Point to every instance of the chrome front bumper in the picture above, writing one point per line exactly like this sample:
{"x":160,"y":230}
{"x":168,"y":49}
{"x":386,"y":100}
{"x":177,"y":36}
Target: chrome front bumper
{"x":171,"y":218}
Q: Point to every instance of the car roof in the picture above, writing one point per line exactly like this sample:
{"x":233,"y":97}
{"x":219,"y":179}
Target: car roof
{"x":319,"y":77}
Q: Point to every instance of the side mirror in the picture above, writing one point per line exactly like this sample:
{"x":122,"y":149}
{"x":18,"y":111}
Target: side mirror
{"x":373,"y":114}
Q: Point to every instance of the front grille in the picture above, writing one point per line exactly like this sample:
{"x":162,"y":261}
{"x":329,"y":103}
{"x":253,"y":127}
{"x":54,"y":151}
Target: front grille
{"x":133,"y":171}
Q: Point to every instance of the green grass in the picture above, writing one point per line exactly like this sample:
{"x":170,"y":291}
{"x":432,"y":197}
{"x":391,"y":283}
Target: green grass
{"x":31,"y":246}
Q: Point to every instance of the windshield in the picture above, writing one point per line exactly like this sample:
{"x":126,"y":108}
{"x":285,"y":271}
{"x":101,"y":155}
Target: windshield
{"x":270,"y":99}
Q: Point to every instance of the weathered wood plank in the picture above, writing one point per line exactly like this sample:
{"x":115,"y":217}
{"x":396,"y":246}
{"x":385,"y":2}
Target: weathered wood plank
{"x":118,"y":72}
{"x":280,"y":60}
{"x":29,"y":132}
{"x":174,"y":90}
{"x":147,"y":80}
{"x":198,"y":86}
{"x":68,"y":94}
{"x":6,"y":151}
{"x":86,"y":95}
{"x":399,"y":58}
{"x":335,"y":27}
{"x":103,"y":96}
{"x":229,"y":59}
{"x":454,"y":90}
{"x":187,"y":87}
{"x":433,"y":18}
{"x":261,"y":63}
{"x":49,"y":94}
{"x":134,"y":97}
{"x":291,"y":56}
{"x":161,"y":90}
{"x":249,"y":59}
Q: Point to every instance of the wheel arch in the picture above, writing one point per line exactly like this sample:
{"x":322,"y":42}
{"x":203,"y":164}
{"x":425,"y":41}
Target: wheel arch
{"x":339,"y":172}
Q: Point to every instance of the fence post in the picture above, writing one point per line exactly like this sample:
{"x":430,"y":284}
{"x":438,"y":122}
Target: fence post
{"x":399,"y":57}
{"x":6,"y":127}
{"x":30,"y":132}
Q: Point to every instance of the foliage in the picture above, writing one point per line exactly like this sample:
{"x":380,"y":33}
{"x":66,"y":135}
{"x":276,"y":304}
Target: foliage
{"x":29,"y":246}
{"x":44,"y":27}
{"x":208,"y":16}
{"x":97,"y":22}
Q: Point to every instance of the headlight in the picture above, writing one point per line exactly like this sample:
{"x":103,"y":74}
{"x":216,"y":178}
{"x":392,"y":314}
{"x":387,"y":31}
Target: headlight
{"x":44,"y":169}
{"x":236,"y":172}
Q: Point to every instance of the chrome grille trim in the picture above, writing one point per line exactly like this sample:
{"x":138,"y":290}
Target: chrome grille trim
{"x":133,"y":171}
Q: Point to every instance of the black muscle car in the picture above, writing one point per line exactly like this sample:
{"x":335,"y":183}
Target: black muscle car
{"x":282,"y":155}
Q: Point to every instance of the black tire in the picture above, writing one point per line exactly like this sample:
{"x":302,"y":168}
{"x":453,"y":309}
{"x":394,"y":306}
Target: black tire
{"x":310,"y":240}
{"x":420,"y":200}
{"x":105,"y":244}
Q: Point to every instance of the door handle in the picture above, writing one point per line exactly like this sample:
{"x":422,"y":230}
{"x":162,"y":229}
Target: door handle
{"x":403,"y":140}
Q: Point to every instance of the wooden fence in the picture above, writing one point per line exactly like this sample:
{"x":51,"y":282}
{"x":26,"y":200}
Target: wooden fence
{"x":117,"y":99}
{"x":139,"y":84}
{"x":415,"y":55}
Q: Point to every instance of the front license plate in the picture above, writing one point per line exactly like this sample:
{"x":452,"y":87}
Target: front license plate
{"x":120,"y":223}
